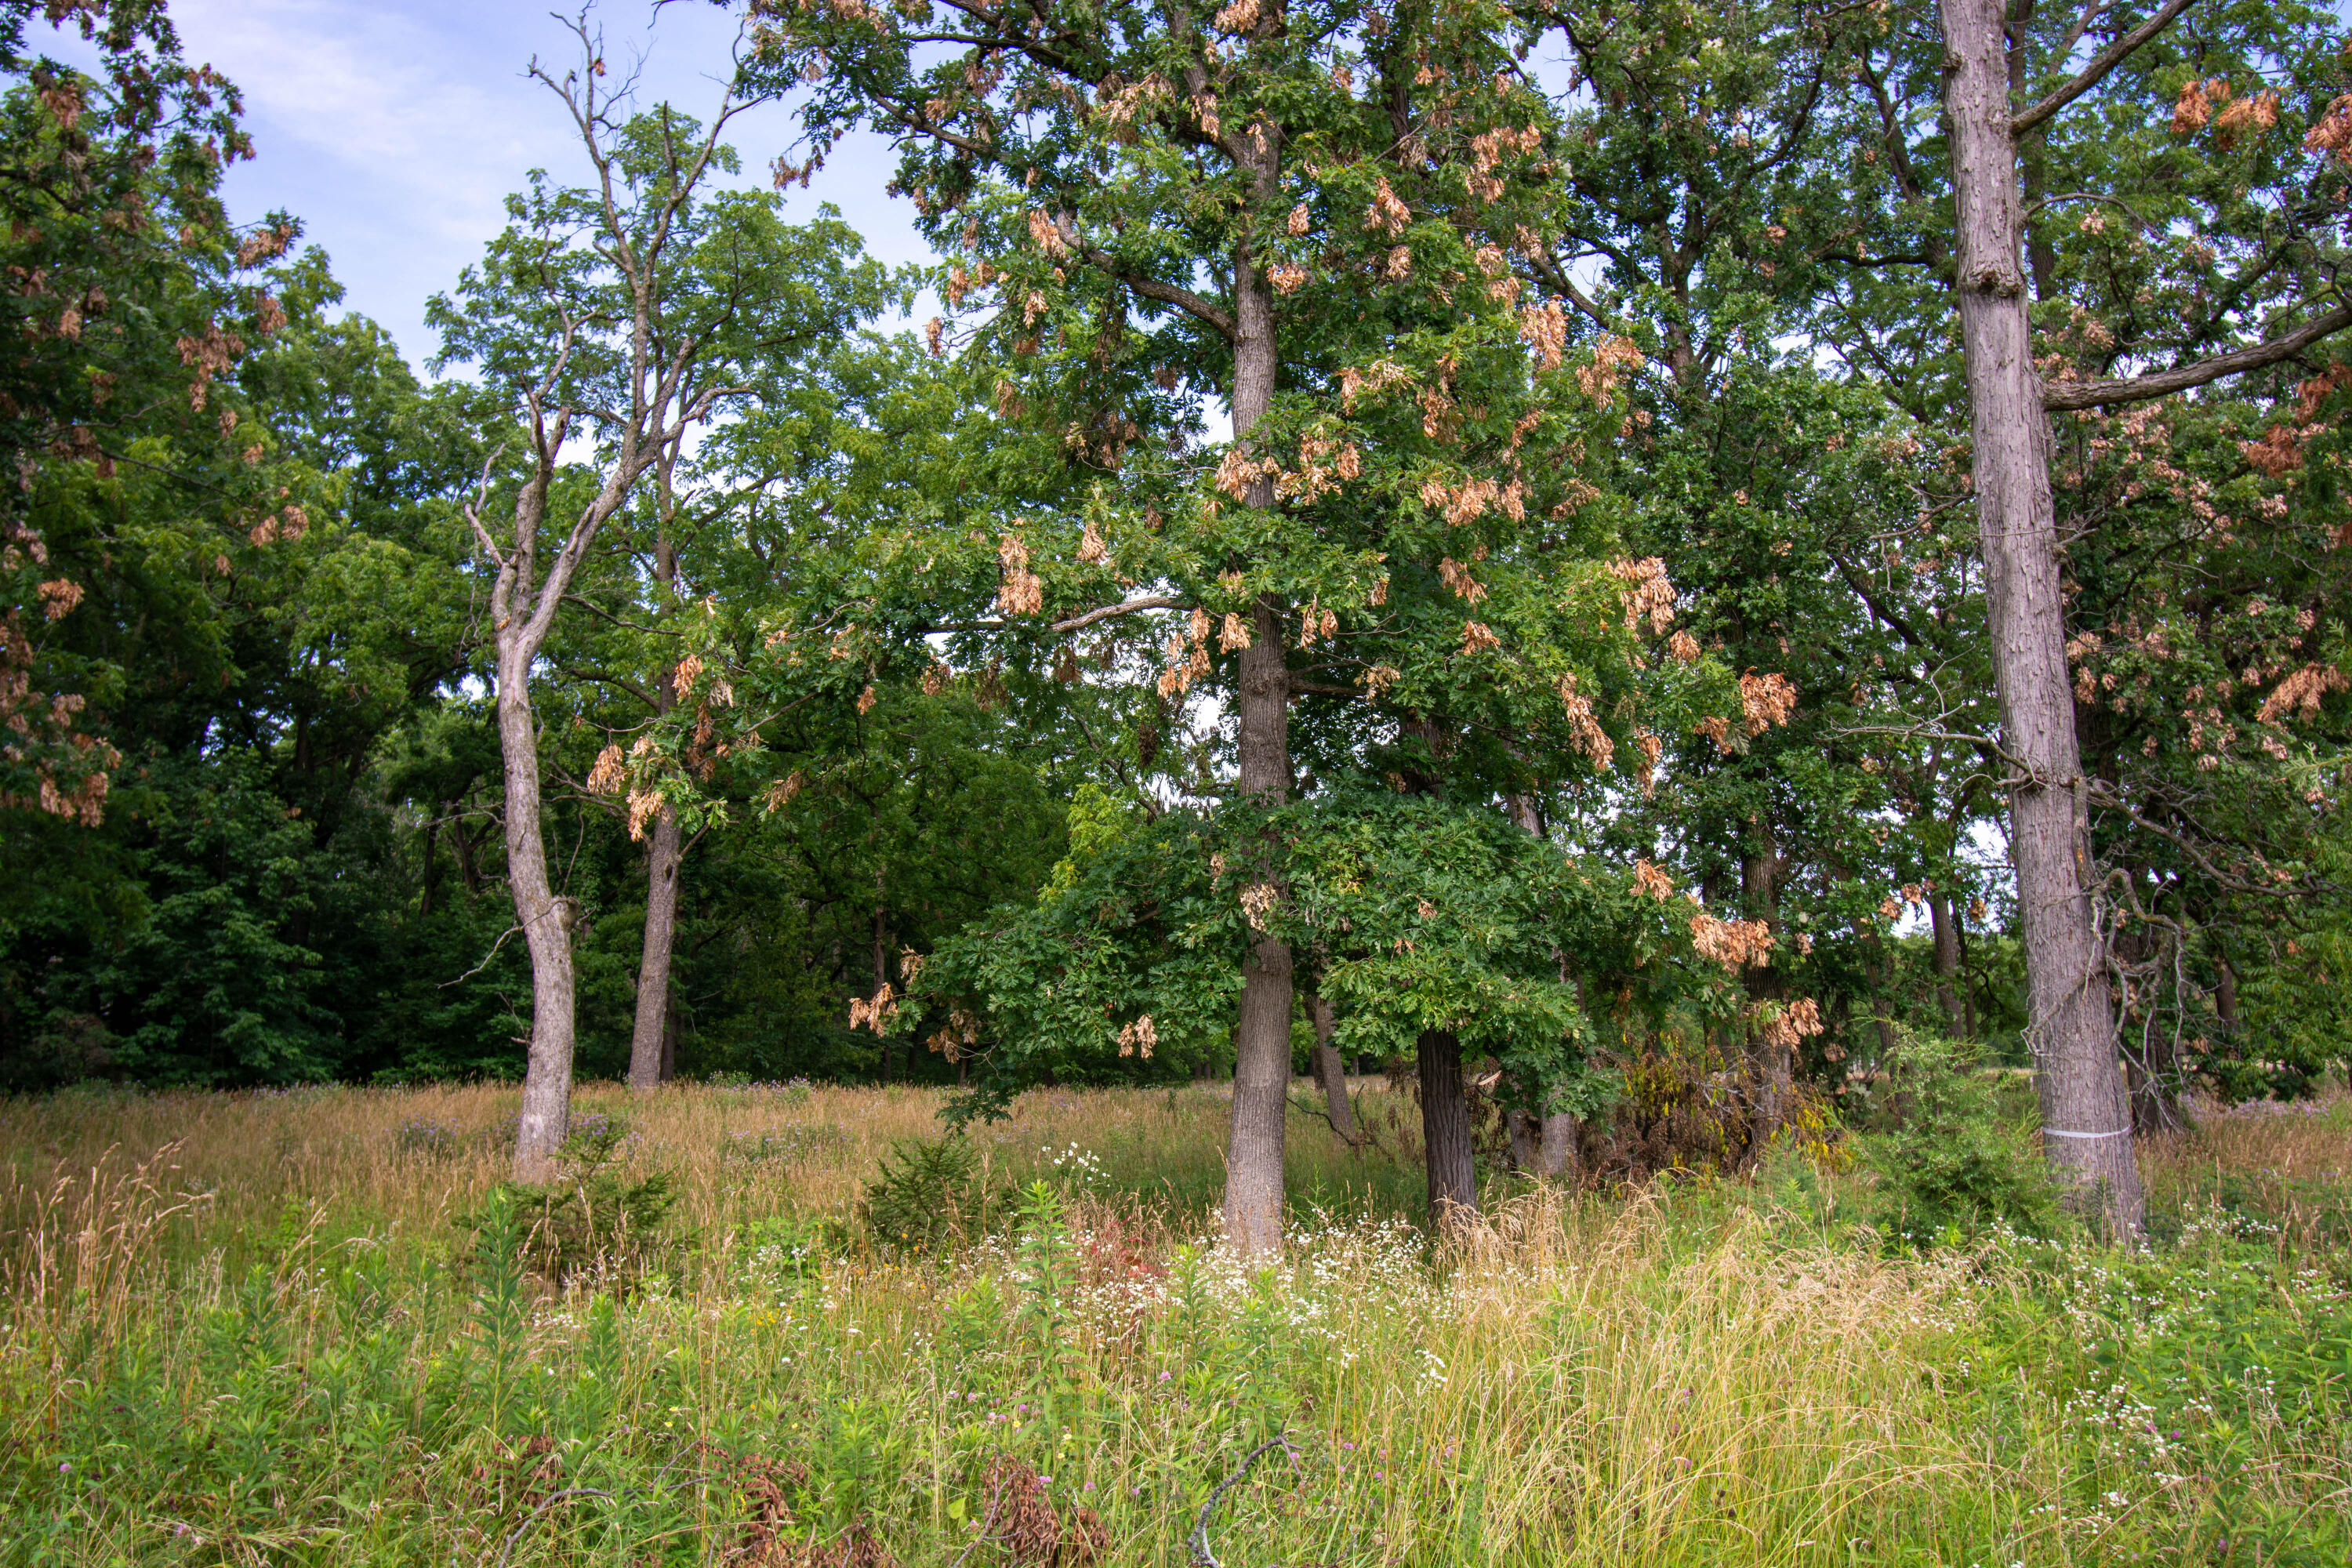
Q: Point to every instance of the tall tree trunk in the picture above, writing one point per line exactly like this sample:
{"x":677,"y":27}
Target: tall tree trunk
{"x":1253,"y":1150}
{"x":1948,"y":954}
{"x":546,"y":922}
{"x":1760,"y":897}
{"x":881,"y":973}
{"x":1445,"y":1132}
{"x":649,"y":1037}
{"x":2225,"y":998}
{"x":1332,"y":1073}
{"x":2086,"y":1119}
{"x":1966,"y":975}
{"x":425,"y":895}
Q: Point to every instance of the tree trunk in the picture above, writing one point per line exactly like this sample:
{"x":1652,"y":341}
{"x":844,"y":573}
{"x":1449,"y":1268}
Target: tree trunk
{"x":2086,"y":1120}
{"x":881,"y":975}
{"x":1445,"y":1132}
{"x":1760,"y":897}
{"x":1948,"y":954}
{"x":546,"y":923}
{"x":1526,"y":1129}
{"x":1332,"y":1074}
{"x":2225,"y":999}
{"x":1523,"y":812}
{"x":1968,"y":975}
{"x":1262,"y":704}
{"x":1560,"y":1133}
{"x":424,"y":894}
{"x":647,"y":1040}
{"x":1543,"y":1145}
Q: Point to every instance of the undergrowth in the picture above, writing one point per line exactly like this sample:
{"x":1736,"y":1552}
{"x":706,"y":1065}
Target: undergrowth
{"x":1717,"y":1371}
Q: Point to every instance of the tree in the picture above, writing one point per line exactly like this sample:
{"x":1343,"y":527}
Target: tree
{"x":1310,"y":208}
{"x":126,"y":309}
{"x":800,"y":287}
{"x":2085,"y":1110}
{"x":595,"y":313}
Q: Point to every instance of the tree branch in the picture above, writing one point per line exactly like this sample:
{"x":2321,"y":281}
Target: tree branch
{"x":2093,"y":74}
{"x":2164,"y":383}
{"x":1150,"y":601}
{"x":1191,"y":304}
{"x":473,"y":510}
{"x":592,"y":607}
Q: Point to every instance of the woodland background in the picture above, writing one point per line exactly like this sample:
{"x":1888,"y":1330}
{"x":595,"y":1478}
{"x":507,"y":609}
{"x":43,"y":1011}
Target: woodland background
{"x":253,"y":788}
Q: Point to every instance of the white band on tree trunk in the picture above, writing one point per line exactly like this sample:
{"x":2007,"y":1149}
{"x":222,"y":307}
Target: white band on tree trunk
{"x":2061,"y":1133}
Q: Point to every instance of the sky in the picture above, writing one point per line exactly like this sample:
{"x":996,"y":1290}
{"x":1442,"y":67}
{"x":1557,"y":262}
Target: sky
{"x":394,"y":131}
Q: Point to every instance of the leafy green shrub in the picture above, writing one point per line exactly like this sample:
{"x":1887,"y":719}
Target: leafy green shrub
{"x":935,"y":1196}
{"x":590,"y":1218}
{"x":1950,"y":1164}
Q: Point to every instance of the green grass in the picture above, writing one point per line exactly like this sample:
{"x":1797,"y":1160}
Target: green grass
{"x":294,"y":1329}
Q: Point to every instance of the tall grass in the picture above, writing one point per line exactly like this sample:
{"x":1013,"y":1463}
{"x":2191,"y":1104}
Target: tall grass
{"x":253,"y":1330}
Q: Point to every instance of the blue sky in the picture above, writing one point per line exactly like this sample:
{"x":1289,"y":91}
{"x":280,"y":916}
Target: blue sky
{"x":394,"y":130}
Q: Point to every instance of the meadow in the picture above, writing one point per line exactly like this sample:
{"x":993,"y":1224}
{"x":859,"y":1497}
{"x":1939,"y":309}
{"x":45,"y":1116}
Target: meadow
{"x":309,"y":1327}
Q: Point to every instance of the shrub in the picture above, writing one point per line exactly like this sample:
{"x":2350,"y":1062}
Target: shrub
{"x":590,"y":1218}
{"x":936,"y":1195}
{"x":1950,"y":1163}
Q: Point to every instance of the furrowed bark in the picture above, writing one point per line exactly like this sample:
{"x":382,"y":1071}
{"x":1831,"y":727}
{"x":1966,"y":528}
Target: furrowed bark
{"x":1262,"y":704}
{"x":1445,"y":1132}
{"x":2078,"y":1072}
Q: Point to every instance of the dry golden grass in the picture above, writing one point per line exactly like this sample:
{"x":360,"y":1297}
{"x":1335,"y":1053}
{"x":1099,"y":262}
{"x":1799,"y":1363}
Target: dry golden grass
{"x":416,"y":1159}
{"x":260,"y":1312}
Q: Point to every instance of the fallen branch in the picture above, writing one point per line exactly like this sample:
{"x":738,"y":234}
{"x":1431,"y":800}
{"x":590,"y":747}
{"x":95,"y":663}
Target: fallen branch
{"x":549,"y":1501}
{"x":1199,"y":1541}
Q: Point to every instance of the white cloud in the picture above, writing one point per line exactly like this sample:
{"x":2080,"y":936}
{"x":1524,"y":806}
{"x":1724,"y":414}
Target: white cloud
{"x":395,"y":132}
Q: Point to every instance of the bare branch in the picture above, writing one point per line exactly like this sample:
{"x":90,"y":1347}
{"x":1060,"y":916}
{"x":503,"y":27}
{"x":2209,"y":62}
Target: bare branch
{"x":1151,"y":602}
{"x":473,"y":510}
{"x":2127,"y":209}
{"x":2093,"y":74}
{"x":2164,"y":383}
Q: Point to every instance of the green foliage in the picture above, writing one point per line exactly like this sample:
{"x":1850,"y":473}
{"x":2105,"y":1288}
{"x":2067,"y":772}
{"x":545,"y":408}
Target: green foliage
{"x":593,"y":1221}
{"x":1417,"y":912}
{"x":932,"y":1202}
{"x":1952,"y":1159}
